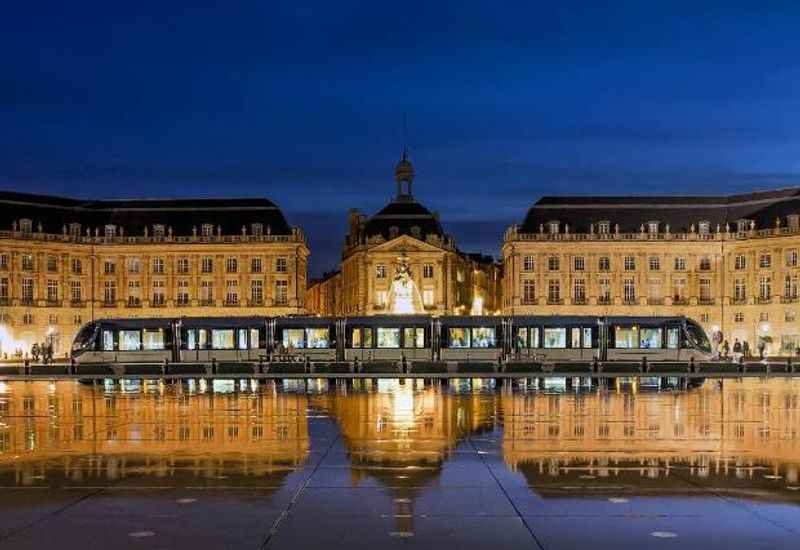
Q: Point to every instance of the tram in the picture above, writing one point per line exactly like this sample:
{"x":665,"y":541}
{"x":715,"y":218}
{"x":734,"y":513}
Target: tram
{"x":391,"y":338}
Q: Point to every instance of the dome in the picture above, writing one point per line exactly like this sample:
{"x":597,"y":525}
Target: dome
{"x":408,"y":217}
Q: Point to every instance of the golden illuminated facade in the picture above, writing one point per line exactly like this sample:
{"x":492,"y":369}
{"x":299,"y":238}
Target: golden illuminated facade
{"x":730,"y":263}
{"x":66,"y":262}
{"x":401,"y":261}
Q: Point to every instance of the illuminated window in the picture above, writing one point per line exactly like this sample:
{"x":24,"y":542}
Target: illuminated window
{"x":183,"y":265}
{"x":604,"y":263}
{"x":388,"y":337}
{"x":654,"y":263}
{"x":110,"y":231}
{"x":130,"y":340}
{"x":280,"y":264}
{"x":281,"y":292}
{"x":528,"y":263}
{"x":414,"y":337}
{"x":427,"y":297}
{"x":222,"y":339}
{"x":294,"y":338}
{"x":158,"y":265}
{"x":626,"y":337}
{"x":483,"y":337}
{"x":153,"y":339}
{"x":604,"y":227}
{"x":652,"y":227}
{"x":650,"y":338}
{"x":578,"y":263}
{"x":427,"y":271}
{"x":552,"y":263}
{"x":765,"y":260}
{"x":680,"y":263}
{"x":256,"y":292}
{"x":207,"y":264}
{"x":629,"y":263}
{"x":255,"y":265}
{"x":459,"y":337}
{"x":705,"y":263}
{"x":705,"y":227}
{"x":232,"y":265}
{"x":555,"y":337}
{"x":317,"y":338}
{"x":380,"y":271}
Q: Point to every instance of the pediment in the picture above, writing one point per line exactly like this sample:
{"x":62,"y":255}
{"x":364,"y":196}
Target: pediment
{"x":405,"y":243}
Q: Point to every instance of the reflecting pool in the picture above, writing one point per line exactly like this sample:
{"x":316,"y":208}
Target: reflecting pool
{"x":384,"y":463}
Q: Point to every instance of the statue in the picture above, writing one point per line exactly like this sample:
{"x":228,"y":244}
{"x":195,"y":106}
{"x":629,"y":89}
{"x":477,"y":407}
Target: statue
{"x":404,"y":298}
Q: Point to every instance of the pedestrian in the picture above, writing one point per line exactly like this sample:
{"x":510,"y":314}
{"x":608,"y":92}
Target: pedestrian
{"x":761,"y":347}
{"x":737,"y":350}
{"x":726,"y":348}
{"x":746,"y":348}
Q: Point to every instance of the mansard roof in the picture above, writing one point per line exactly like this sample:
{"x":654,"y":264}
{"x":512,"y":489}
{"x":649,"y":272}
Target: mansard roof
{"x":404,"y":215}
{"x":182,"y":215}
{"x":680,"y":212}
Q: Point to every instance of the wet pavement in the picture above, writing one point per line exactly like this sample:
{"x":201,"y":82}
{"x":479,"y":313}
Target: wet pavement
{"x":389,"y":464}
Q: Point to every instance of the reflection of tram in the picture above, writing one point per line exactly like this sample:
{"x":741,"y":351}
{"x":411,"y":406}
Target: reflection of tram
{"x":391,"y":338}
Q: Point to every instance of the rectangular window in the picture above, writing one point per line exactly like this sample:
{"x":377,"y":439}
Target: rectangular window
{"x":318,"y":338}
{"x":183,"y":265}
{"x":232,"y":292}
{"x":705,"y":290}
{"x":134,"y":265}
{"x":3,"y":261}
{"x":483,"y":337}
{"x":673,"y":337}
{"x":280,"y":264}
{"x":158,"y":293}
{"x":134,"y":293}
{"x":604,"y":228}
{"x":153,"y":339}
{"x":380,"y":298}
{"x":207,"y":292}
{"x":414,"y":337}
{"x":555,"y":338}
{"x":52,"y":290}
{"x":604,"y":291}
{"x":739,"y":317}
{"x":388,"y":337}
{"x":294,"y":338}
{"x":427,"y":271}
{"x":108,"y":340}
{"x":281,"y":293}
{"x":765,"y":287}
{"x":791,"y":258}
{"x":629,"y":263}
{"x":158,"y":265}
{"x":679,"y":290}
{"x":255,"y":265}
{"x":183,"y":292}
{"x":553,"y":263}
{"x":4,"y":289}
{"x":528,"y":263}
{"x":553,"y":291}
{"x":626,"y":337}
{"x":27,"y":262}
{"x":77,"y":266}
{"x":109,"y":267}
{"x":705,"y":263}
{"x":650,"y":338}
{"x":109,"y":292}
{"x":578,"y":263}
{"x":629,"y":290}
{"x":680,"y":263}
{"x":522,"y":338}
{"x":579,"y":291}
{"x":27,"y":291}
{"x":765,"y":260}
{"x":654,"y":263}
{"x":380,"y":271}
{"x":207,"y":265}
{"x":529,"y":291}
{"x":739,"y":289}
{"x":130,"y":340}
{"x":256,"y":292}
{"x":576,"y":338}
{"x":232,"y":265}
{"x":355,"y":337}
{"x":222,"y":339}
{"x":604,"y":263}
{"x":242,"y":340}
{"x":790,"y":287}
{"x":587,"y":338}
{"x":740,"y":262}
{"x":459,"y":337}
{"x":427,"y":297}
{"x":52,"y":264}
{"x":254,"y":339}
{"x":75,"y":292}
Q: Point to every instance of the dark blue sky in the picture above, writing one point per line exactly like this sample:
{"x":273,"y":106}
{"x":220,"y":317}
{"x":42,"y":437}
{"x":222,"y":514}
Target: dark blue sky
{"x":303,"y":102}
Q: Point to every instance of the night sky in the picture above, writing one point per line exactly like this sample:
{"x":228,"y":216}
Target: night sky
{"x":303,"y":102}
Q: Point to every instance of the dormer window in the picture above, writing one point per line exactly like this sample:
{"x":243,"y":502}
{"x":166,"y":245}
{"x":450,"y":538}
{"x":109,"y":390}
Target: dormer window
{"x":75,"y":229}
{"x":604,"y":227}
{"x":158,"y":230}
{"x":26,"y":225}
{"x":652,"y":227}
{"x":793,"y":221}
{"x":111,"y":231}
{"x":416,"y":232}
{"x":742,"y":225}
{"x":257,"y":229}
{"x":704,"y":227}
{"x":394,"y":231}
{"x":207,"y":230}
{"x":552,"y":227}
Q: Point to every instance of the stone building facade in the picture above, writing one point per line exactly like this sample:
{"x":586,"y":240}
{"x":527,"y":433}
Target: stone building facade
{"x":729,"y":262}
{"x":405,"y":239}
{"x":64,"y":262}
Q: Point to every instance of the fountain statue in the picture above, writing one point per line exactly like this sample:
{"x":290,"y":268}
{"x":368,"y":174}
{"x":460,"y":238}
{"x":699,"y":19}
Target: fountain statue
{"x":404,"y":297}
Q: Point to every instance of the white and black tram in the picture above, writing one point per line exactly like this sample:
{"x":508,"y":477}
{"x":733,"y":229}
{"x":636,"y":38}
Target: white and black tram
{"x":392,"y":338}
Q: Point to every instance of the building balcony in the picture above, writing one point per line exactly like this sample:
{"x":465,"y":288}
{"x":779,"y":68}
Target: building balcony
{"x":256,"y":303}
{"x":680,"y":301}
{"x":789,"y":299}
{"x":53,"y":303}
{"x":705,"y":301}
{"x":26,"y":301}
{"x":630,"y":302}
{"x":77,"y":303}
{"x":232,"y":303}
{"x":739,"y":301}
{"x":4,"y":301}
{"x":655,"y":301}
{"x":134,"y":303}
{"x":207,"y":303}
{"x":182,"y":303}
{"x":555,"y":301}
{"x":580,"y":301}
{"x":158,"y":303}
{"x":529,"y":302}
{"x":604,"y":300}
{"x":108,"y":303}
{"x":761,"y":300}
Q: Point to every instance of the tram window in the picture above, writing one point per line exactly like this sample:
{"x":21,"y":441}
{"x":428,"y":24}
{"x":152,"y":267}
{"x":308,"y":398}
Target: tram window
{"x":483,"y":337}
{"x":153,"y":338}
{"x":414,"y":337}
{"x":202,"y":338}
{"x":522,"y":338}
{"x":535,"y":337}
{"x":673,"y":337}
{"x":222,"y":338}
{"x":626,"y":337}
{"x":459,"y":338}
{"x":388,"y":337}
{"x":130,"y":340}
{"x":242,"y":338}
{"x":254,"y":338}
{"x":317,"y":337}
{"x":555,"y":338}
{"x":587,"y":337}
{"x":108,"y":340}
{"x":191,"y":339}
{"x":650,"y":338}
{"x":355,"y":337}
{"x":576,"y":337}
{"x":367,"y":337}
{"x":293,"y":338}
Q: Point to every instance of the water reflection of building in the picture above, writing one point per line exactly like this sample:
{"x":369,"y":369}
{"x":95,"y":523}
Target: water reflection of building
{"x":445,"y":280}
{"x":744,"y":430}
{"x":80,"y":432}
{"x":401,"y":434}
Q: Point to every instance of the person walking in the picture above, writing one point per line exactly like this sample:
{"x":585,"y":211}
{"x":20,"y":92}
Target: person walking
{"x":726,"y":348}
{"x":746,"y":348}
{"x":737,"y":350}
{"x":761,"y":347}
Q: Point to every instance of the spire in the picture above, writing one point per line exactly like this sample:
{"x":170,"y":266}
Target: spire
{"x":404,"y":176}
